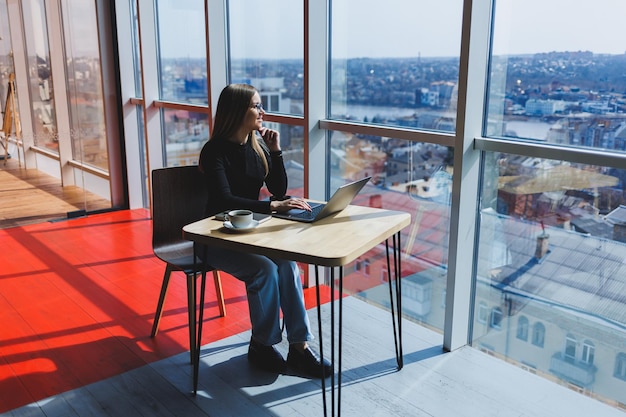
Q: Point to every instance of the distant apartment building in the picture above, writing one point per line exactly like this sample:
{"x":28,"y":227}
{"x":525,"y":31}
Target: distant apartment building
{"x":438,"y":94}
{"x":271,"y":90}
{"x":606,"y":132}
{"x":429,"y":98}
{"x":537,"y":107}
{"x":597,"y":107}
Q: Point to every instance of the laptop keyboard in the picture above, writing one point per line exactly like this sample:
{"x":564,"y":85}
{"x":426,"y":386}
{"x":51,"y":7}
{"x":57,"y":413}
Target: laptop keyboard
{"x":309,"y":214}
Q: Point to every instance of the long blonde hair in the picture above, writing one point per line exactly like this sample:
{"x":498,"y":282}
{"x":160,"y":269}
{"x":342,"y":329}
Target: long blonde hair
{"x":232,"y":106}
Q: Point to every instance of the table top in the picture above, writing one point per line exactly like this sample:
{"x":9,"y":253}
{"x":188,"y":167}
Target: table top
{"x":334,"y":241}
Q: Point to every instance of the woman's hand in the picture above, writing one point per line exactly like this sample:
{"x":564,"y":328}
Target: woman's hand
{"x":271,"y":138}
{"x":290,"y":203}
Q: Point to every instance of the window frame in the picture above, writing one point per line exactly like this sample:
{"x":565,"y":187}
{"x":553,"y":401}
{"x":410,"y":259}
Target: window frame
{"x":522,"y":328}
{"x":570,"y":348}
{"x":538,"y":334}
{"x":495,"y":318}
{"x":619,"y":370}
{"x":588,"y":352}
{"x":483,"y":312}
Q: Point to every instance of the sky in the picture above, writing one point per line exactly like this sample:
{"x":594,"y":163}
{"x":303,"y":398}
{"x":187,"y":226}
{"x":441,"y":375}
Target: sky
{"x":81,"y":22}
{"x":403,"y":28}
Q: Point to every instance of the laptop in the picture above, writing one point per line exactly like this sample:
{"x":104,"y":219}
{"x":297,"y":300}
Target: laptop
{"x":339,"y":201}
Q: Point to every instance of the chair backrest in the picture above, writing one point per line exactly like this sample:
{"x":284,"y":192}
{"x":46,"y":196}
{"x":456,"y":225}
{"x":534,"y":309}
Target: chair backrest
{"x":179,"y":197}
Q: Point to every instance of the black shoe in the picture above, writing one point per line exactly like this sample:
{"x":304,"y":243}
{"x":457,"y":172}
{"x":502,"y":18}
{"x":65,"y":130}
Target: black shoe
{"x":266,"y":358}
{"x":309,"y":363}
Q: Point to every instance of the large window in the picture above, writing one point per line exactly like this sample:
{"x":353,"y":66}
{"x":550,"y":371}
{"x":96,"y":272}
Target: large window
{"x":183,"y":79}
{"x":412,"y":177}
{"x":384,"y":69}
{"x":561,"y":81}
{"x":6,"y":56}
{"x":267,"y":50}
{"x":84,"y":81}
{"x":551,"y":229}
{"x":182,"y":51}
{"x":551,"y":241}
{"x":397,"y":64}
{"x":136,"y":48}
{"x":41,"y":85}
{"x":184,"y":134}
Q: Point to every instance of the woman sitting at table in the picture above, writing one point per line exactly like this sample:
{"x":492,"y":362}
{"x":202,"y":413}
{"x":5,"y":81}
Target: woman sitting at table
{"x":236,"y":163}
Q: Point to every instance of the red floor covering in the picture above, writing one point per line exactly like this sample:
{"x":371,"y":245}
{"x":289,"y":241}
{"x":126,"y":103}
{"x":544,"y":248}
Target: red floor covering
{"x":77,"y":301}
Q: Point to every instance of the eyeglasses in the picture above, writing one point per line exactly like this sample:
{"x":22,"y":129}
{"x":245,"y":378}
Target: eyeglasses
{"x":258,"y":106}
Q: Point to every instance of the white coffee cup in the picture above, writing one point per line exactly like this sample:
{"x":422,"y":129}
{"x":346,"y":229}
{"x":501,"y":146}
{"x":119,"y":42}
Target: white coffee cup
{"x":240,"y":219}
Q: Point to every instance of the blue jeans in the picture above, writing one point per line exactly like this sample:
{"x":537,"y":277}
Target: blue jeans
{"x":271,"y":285}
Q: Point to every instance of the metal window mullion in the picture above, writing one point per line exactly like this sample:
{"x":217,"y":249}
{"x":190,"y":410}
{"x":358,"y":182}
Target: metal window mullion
{"x":316,"y":39}
{"x":465,"y":193}
{"x":217,"y":50}
{"x":56,"y":49}
{"x":413,"y":135}
{"x":588,"y":156}
{"x":112,"y":116}
{"x":155,"y":147}
{"x":316,"y":35}
{"x":131,"y":104}
{"x":20,"y":66}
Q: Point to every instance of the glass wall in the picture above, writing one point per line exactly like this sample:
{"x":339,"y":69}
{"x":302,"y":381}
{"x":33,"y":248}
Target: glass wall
{"x":185,"y":133}
{"x":84,"y":81}
{"x":183,"y":78}
{"x":41,"y":83}
{"x":550,"y":275}
{"x":62,"y":55}
{"x":386,"y":67}
{"x":6,"y":55}
{"x":182,"y":51}
{"x":550,"y":279}
{"x":413,"y":177}
{"x":385,"y":70}
{"x":266,"y":50}
{"x":547,"y":262}
{"x":136,"y":50}
{"x":138,"y":92}
{"x":562,"y":82}
{"x":547,"y":255}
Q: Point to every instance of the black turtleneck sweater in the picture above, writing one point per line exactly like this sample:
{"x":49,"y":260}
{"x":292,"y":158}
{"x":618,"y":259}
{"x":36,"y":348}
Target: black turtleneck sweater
{"x":235,"y":175}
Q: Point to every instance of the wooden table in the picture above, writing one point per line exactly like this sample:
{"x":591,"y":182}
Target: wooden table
{"x":331,"y":242}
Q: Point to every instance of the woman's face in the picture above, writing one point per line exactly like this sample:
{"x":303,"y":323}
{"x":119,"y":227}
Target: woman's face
{"x":253,"y":118}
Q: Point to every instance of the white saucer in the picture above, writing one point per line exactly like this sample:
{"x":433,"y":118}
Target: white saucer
{"x":252,"y":226}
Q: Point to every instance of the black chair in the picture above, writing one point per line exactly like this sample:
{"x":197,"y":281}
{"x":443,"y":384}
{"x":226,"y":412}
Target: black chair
{"x":178,"y":198}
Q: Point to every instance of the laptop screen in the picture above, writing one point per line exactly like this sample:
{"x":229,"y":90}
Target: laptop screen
{"x":339,"y":201}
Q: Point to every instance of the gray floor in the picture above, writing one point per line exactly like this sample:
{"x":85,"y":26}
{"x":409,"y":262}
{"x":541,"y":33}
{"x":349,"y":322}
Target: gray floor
{"x":464,"y":383}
